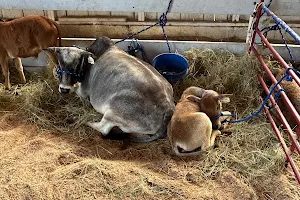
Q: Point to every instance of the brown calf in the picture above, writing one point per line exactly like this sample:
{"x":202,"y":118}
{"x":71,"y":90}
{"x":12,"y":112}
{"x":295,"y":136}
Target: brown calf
{"x":25,"y":37}
{"x":292,"y":90}
{"x":190,"y":130}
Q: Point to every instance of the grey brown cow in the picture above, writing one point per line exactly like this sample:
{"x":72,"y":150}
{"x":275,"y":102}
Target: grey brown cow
{"x":129,"y":93}
{"x":25,"y":37}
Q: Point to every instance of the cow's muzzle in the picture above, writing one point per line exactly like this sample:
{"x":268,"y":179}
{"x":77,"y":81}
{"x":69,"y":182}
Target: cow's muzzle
{"x":64,"y":90}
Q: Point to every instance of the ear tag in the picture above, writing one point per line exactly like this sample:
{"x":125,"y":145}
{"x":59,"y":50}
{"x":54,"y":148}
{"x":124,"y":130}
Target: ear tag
{"x":91,"y":60}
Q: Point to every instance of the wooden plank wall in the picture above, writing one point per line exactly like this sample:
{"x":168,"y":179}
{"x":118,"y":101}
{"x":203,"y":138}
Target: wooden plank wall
{"x":184,"y":26}
{"x":131,"y":16}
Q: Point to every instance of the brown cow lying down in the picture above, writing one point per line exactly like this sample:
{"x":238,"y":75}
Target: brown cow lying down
{"x":25,"y":37}
{"x":190,"y":130}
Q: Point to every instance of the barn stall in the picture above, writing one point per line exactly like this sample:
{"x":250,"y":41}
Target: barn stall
{"x":49,"y":155}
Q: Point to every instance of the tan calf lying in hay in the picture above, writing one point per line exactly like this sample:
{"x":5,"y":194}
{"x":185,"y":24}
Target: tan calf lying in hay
{"x":190,"y":130}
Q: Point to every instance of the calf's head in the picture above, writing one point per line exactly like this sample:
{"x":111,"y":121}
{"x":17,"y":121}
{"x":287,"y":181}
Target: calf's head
{"x":72,"y":62}
{"x":211,"y":104}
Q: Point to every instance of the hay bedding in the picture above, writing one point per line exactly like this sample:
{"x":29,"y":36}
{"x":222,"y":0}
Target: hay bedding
{"x":46,"y":152}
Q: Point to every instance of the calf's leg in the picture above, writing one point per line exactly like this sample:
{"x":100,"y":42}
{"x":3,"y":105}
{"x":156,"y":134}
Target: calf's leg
{"x":5,"y":71}
{"x":214,"y":134}
{"x":19,"y":67}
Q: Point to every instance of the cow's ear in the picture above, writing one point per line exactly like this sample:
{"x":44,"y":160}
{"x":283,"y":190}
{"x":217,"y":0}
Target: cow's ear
{"x":89,"y":57}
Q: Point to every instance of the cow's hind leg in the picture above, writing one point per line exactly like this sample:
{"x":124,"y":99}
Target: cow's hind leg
{"x":5,"y":71}
{"x":19,"y":66}
{"x":104,"y":126}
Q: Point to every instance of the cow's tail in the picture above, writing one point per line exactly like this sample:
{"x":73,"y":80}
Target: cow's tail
{"x":162,"y":131}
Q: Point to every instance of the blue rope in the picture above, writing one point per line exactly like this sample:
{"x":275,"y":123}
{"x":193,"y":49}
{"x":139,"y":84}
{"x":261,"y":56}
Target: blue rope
{"x":277,"y":27}
{"x":285,"y":43}
{"x":162,"y":22}
{"x":278,"y":94}
{"x":286,"y":76}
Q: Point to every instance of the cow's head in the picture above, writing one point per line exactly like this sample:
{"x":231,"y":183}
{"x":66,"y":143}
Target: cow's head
{"x":72,"y":62}
{"x":211,"y":104}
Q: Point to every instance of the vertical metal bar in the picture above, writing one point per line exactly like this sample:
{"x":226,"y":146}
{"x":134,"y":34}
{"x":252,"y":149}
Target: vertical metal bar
{"x":278,"y":57}
{"x":285,"y":148}
{"x":292,"y":136}
{"x":258,"y":14}
{"x":273,"y":79}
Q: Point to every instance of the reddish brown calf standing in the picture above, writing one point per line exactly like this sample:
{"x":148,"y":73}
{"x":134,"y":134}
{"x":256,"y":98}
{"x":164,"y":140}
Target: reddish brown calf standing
{"x":25,"y":37}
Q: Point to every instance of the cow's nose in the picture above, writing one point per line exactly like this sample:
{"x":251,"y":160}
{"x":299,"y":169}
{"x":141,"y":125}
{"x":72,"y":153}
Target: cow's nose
{"x":64,"y":90}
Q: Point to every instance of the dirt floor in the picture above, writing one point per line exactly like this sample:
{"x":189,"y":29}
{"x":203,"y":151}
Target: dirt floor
{"x":46,"y":165}
{"x":73,"y":162}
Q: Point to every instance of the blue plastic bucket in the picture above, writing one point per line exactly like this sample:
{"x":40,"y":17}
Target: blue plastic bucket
{"x":172,"y":66}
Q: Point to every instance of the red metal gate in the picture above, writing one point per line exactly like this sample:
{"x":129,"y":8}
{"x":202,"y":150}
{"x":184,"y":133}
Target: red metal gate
{"x":294,"y":147}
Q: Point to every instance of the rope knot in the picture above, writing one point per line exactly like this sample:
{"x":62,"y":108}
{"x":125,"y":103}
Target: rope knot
{"x":278,"y":94}
{"x":288,"y":77}
{"x":163,"y":20}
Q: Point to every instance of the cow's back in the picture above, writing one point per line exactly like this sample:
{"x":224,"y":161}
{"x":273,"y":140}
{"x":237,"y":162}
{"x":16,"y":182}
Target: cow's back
{"x":134,"y":90}
{"x":27,"y":36}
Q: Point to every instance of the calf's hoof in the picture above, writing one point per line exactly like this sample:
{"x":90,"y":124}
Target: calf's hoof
{"x":13,"y":92}
{"x":7,"y":87}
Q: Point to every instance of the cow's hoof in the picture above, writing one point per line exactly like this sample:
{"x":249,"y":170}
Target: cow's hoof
{"x":124,"y":144}
{"x":13,"y":92}
{"x":227,"y":132}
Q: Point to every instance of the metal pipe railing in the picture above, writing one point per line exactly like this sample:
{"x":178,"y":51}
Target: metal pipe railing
{"x":256,"y":25}
{"x":293,"y":137}
{"x":283,"y":144}
{"x":278,"y":57}
{"x":286,"y":125}
{"x":273,"y":79}
{"x":281,"y":23}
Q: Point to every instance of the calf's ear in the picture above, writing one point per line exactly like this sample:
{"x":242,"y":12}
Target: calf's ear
{"x":194,"y":98}
{"x":224,"y":98}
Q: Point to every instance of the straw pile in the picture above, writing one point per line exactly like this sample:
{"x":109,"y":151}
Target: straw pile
{"x":47,"y":152}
